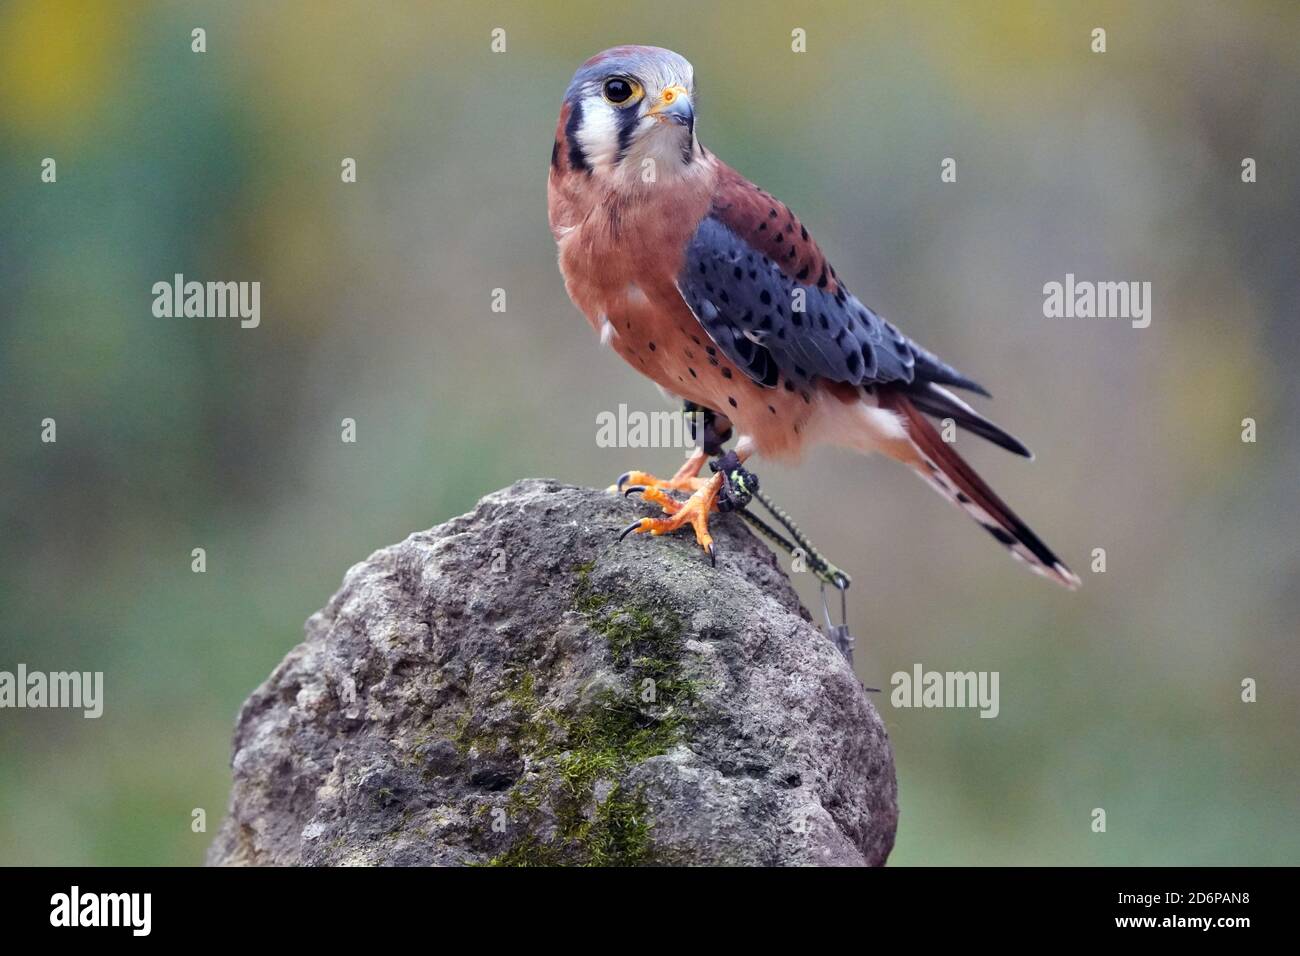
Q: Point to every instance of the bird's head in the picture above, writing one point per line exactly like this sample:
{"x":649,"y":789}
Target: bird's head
{"x":631,"y":108}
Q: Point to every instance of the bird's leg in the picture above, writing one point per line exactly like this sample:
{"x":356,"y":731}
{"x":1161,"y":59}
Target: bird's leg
{"x":687,"y":478}
{"x":695,"y":510}
{"x":710,"y":430}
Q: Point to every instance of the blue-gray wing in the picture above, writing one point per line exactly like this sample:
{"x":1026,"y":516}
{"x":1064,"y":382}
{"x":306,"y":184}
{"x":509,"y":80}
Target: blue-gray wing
{"x":798,"y":324}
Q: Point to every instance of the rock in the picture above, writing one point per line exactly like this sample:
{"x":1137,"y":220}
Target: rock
{"x":515,"y":687}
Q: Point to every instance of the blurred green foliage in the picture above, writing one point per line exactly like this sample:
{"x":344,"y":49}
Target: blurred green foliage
{"x":183,"y":433}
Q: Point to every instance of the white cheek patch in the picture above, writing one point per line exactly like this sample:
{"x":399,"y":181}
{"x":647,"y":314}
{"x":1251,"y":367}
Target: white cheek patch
{"x":598,"y":133}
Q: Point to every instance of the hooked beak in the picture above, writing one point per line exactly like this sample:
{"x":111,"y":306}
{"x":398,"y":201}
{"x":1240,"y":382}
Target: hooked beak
{"x":674,"y":106}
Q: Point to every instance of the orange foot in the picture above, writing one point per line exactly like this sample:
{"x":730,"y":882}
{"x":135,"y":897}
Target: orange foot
{"x":694,"y":511}
{"x":687,"y":478}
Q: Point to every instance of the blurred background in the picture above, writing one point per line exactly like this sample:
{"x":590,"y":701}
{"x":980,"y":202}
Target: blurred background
{"x":376,"y":305}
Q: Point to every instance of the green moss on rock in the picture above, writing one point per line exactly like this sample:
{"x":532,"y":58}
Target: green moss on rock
{"x":577,"y":755}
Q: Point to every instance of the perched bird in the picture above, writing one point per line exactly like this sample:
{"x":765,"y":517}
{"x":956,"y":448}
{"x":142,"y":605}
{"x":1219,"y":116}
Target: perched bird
{"x":712,"y":288}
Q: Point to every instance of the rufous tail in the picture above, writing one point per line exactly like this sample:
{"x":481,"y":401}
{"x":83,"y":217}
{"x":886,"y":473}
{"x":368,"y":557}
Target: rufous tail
{"x":938,"y":463}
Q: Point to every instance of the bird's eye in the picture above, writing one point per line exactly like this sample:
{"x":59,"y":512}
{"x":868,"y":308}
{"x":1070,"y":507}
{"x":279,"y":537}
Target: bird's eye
{"x":619,"y":89}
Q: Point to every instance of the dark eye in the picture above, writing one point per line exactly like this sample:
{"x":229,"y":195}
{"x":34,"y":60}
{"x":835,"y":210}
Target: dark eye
{"x":618,"y":89}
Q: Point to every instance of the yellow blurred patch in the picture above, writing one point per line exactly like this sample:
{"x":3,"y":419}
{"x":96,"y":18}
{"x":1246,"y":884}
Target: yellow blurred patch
{"x":57,"y":62}
{"x":1211,"y":375}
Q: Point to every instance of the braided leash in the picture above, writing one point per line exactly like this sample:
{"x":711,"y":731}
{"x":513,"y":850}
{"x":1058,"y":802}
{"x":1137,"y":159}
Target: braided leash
{"x":826,"y":572}
{"x":703,"y":424}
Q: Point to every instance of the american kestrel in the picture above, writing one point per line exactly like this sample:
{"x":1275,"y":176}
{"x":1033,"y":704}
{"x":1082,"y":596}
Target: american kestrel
{"x":712,"y":288}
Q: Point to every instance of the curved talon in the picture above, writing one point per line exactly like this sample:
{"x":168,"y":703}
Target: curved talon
{"x":634,"y":526}
{"x":692,"y":513}
{"x":687,"y":478}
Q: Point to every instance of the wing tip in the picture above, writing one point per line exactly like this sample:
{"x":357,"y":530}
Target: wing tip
{"x":934,"y":399}
{"x":1019,"y":448}
{"x":950,"y":376}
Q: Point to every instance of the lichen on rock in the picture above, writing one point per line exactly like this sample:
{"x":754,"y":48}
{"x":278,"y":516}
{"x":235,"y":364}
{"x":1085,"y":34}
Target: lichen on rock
{"x":515,"y":688}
